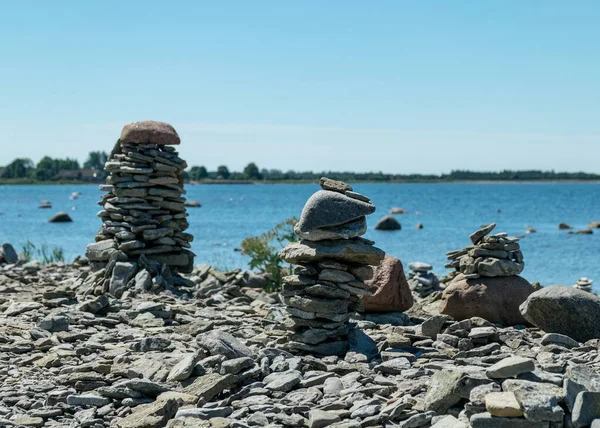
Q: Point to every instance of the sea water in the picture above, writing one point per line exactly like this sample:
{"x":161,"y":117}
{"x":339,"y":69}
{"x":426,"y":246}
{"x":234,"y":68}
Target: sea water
{"x":448,"y":212}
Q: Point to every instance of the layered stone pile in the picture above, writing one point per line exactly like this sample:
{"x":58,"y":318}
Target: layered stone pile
{"x":584,"y":284}
{"x":485,"y":282}
{"x":142,"y":243}
{"x":489,"y":256}
{"x":421,"y":281}
{"x":332,"y":262}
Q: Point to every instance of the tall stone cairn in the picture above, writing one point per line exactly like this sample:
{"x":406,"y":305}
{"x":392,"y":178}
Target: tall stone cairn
{"x":142,"y":243}
{"x":329,"y":272}
{"x":489,"y":256}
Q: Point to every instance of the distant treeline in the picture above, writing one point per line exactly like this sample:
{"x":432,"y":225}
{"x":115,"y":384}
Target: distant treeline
{"x":253,"y":173}
{"x":60,"y":170}
{"x":49,"y":169}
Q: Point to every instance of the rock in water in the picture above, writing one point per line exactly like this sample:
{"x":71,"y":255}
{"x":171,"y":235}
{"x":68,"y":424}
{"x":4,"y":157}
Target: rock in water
{"x":390,"y":289}
{"x":60,"y":217}
{"x":388,"y":223}
{"x":565,"y":310}
{"x":494,"y":299}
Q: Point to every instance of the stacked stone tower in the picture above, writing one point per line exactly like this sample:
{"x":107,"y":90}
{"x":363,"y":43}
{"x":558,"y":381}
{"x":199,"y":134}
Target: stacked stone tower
{"x":142,"y":243}
{"x":329,"y":263}
{"x":489,"y":256}
{"x":486,"y":281}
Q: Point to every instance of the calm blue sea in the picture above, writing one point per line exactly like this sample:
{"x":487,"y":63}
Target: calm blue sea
{"x":449,"y":213}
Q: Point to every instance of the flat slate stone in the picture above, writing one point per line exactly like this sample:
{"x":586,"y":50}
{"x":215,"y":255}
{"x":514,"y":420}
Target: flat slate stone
{"x":478,"y":235}
{"x":346,"y":251}
{"x":503,"y":404}
{"x":149,"y":131}
{"x":486,"y":420}
{"x":510,"y":367}
{"x":352,"y":229}
{"x":101,"y":251}
{"x":491,"y":267}
{"x":316,"y":305}
{"x":333,"y":185}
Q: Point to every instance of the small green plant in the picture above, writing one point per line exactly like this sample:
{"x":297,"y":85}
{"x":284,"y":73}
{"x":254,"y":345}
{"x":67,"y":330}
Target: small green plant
{"x":28,"y":251}
{"x":44,"y":254}
{"x":264,"y":250}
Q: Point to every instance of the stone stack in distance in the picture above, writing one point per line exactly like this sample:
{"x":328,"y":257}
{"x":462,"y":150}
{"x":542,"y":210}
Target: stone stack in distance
{"x":327,"y":281}
{"x":489,"y":256}
{"x":142,"y":242}
{"x":584,"y":284}
{"x":421,"y":281}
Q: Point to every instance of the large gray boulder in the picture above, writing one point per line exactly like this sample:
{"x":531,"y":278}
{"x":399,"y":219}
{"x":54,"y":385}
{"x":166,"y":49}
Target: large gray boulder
{"x":565,"y":310}
{"x":326,"y":208}
{"x":494,"y":299}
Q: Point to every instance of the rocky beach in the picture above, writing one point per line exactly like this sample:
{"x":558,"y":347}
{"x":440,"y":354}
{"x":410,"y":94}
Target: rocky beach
{"x":212,"y":354}
{"x":137,"y":334}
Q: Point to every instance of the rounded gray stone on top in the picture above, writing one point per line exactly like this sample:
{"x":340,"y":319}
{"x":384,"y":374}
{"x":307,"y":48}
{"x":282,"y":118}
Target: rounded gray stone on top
{"x":327,"y":208}
{"x":149,"y":131}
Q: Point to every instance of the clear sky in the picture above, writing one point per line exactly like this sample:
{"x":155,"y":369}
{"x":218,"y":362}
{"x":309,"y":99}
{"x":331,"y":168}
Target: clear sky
{"x":394,"y":86}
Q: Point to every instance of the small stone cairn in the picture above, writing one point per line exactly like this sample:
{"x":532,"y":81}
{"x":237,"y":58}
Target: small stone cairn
{"x":584,"y":284}
{"x":330,"y":261}
{"x":421,"y":281}
{"x":489,"y":256}
{"x":142,"y":244}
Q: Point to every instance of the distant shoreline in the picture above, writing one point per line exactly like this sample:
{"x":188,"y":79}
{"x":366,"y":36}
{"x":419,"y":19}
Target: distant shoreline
{"x":270,"y":182}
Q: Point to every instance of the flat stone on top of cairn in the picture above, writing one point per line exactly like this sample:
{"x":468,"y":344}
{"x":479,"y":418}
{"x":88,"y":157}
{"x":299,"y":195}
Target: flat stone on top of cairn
{"x":142,"y":243}
{"x":151,"y":132}
{"x":326,"y":284}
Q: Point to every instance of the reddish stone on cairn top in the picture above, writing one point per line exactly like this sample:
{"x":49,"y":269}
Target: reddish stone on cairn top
{"x":149,"y":132}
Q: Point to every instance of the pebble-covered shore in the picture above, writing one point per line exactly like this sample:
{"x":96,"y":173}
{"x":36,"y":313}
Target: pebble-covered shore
{"x":210,"y":355}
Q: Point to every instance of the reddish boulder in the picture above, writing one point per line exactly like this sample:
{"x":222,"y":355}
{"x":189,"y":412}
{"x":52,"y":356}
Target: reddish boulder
{"x":149,"y":131}
{"x":390,"y":289}
{"x":494,"y":299}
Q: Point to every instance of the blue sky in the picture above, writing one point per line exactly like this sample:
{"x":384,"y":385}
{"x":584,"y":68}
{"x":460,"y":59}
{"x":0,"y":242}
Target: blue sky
{"x":396,"y":86}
